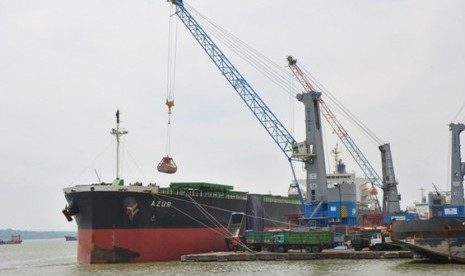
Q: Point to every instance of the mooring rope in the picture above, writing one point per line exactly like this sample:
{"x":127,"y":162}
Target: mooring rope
{"x":284,"y":223}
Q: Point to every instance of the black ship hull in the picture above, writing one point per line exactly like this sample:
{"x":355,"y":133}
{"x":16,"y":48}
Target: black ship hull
{"x":438,"y":239}
{"x":139,"y":224}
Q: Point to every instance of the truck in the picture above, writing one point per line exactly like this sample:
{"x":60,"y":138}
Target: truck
{"x":276,"y":240}
{"x":258,"y":240}
{"x":362,"y":238}
{"x":382,"y":242}
{"x":282,"y":241}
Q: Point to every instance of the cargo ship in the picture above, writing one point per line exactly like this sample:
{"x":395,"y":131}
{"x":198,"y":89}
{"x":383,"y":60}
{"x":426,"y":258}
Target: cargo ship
{"x":144,"y":223}
{"x":15,"y":239}
{"x":441,"y":238}
{"x":136,"y":223}
{"x":70,"y":238}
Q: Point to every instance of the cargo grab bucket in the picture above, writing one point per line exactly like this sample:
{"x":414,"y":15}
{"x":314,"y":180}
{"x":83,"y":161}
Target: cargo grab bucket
{"x":167,"y":165}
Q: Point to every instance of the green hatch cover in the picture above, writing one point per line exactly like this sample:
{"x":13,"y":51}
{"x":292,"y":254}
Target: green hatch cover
{"x":200,"y":186}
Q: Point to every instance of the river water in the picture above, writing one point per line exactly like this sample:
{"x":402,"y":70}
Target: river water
{"x":58,"y":257}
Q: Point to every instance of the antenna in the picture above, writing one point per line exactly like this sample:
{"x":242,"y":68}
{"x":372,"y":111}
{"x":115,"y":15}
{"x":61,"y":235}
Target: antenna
{"x":423,"y":198}
{"x":100,"y":181}
{"x":436,"y":188}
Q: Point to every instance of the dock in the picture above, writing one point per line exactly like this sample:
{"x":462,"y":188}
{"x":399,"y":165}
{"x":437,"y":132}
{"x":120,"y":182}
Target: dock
{"x":294,"y":255}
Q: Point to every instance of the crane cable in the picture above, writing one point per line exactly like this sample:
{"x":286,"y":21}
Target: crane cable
{"x":344,"y":111}
{"x":458,"y":114}
{"x":167,"y":165}
{"x":276,"y":73}
{"x":171,"y":75}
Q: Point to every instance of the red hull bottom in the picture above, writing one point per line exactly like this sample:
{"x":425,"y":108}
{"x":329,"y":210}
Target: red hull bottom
{"x":146,"y":245}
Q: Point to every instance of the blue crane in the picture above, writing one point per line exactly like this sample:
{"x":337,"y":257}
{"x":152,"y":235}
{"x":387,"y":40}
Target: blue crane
{"x":270,"y":122}
{"x":310,"y":152}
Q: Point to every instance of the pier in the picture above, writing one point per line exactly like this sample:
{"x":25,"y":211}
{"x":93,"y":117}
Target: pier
{"x":294,"y":255}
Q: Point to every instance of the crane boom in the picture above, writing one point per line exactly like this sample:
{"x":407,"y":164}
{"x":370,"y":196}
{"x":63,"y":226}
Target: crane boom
{"x":310,"y":152}
{"x":270,"y":122}
{"x":356,"y":153}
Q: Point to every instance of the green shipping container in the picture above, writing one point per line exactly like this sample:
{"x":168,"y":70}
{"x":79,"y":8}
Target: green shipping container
{"x":303,"y":238}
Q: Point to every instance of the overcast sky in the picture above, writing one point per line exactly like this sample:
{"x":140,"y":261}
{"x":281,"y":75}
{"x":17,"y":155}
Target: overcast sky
{"x":67,"y":66}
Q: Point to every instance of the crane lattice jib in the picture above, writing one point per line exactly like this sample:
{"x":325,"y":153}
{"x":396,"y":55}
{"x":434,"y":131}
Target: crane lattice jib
{"x":272,"y":125}
{"x":363,"y":163}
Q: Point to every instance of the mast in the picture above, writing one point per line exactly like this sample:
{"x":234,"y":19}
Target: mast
{"x":335,"y":152}
{"x":118,"y":133}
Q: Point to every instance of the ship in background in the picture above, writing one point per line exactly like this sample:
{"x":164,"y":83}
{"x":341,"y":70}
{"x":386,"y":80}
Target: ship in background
{"x":421,"y":208}
{"x":15,"y":239}
{"x":70,"y":238}
{"x":365,"y":194}
{"x":442,"y":236}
